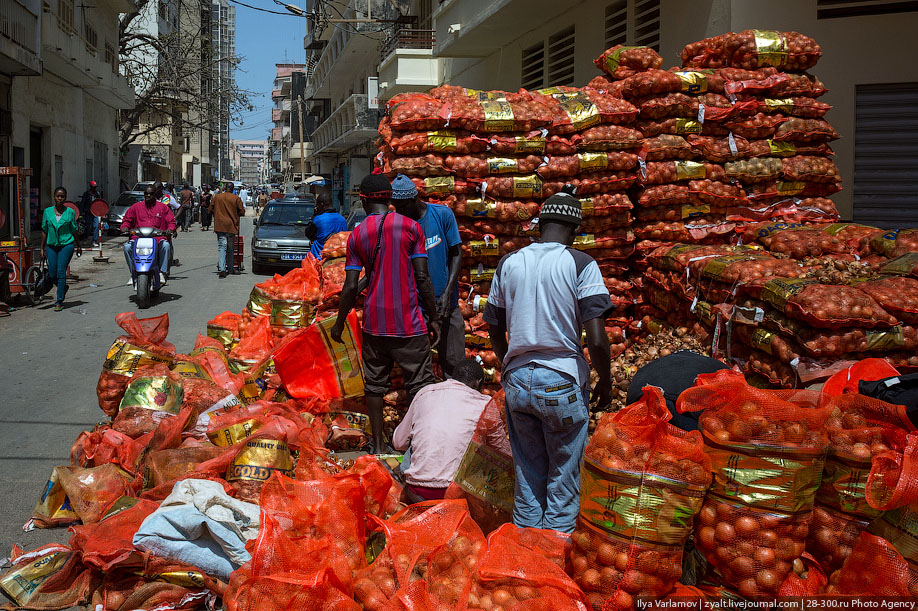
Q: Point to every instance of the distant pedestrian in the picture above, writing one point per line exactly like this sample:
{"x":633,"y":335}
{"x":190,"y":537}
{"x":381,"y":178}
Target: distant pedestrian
{"x":58,"y":241}
{"x":92,"y":222}
{"x":186,"y":201}
{"x":206,"y":196}
{"x":226,"y":208}
{"x":325,"y":223}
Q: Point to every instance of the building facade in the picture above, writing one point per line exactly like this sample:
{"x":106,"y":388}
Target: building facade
{"x":60,"y":95}
{"x":223,"y":39}
{"x":248,"y":160}
{"x":285,"y":93}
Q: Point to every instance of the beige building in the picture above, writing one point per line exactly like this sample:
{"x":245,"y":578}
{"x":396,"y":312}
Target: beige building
{"x":284,"y":157}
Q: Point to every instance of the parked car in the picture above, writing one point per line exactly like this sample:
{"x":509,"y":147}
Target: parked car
{"x":119,"y":209}
{"x":356,"y":217}
{"x":280,"y":238}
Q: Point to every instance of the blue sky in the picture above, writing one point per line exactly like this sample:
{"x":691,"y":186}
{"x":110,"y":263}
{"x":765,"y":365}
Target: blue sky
{"x":263,"y":40}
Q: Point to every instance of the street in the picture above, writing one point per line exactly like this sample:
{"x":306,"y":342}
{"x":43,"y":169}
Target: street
{"x":51,"y":362}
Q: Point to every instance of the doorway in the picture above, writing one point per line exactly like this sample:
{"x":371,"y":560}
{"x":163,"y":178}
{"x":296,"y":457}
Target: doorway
{"x":35,"y":186}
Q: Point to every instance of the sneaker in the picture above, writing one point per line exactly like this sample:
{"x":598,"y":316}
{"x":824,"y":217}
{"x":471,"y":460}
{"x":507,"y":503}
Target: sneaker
{"x":130,"y":282}
{"x":95,"y":245}
{"x":163,"y":278}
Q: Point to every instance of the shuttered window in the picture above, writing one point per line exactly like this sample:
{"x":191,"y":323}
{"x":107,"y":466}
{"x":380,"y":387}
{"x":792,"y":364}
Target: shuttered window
{"x":616,"y":23}
{"x":886,"y":155}
{"x":633,"y":22}
{"x":833,"y":9}
{"x":561,"y":58}
{"x":533,"y":67}
{"x":647,"y":23}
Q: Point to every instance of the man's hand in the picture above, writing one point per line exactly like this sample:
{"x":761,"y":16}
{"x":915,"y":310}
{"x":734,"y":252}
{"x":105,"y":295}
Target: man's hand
{"x":42,"y":254}
{"x":336,"y":331}
{"x":602,"y":394}
{"x":443,"y":304}
{"x":433,"y":327}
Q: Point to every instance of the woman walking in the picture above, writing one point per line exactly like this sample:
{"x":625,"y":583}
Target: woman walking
{"x":58,"y":241}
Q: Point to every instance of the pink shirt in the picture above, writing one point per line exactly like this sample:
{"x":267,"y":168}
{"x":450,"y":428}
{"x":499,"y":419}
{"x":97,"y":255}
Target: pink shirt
{"x":158,"y":216}
{"x":438,"y":427}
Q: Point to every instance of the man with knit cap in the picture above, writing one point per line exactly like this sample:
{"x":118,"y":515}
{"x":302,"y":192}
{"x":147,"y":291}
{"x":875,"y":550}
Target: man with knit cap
{"x":444,"y":258}
{"x":541,"y":298}
{"x":390,"y":247}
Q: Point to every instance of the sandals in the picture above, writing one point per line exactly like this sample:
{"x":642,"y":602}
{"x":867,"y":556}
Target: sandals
{"x":58,"y":307}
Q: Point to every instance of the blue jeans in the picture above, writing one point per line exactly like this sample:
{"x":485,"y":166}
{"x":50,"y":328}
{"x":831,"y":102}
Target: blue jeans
{"x":58,"y":260}
{"x":163,"y":252}
{"x":225,"y":244}
{"x":547,"y":420}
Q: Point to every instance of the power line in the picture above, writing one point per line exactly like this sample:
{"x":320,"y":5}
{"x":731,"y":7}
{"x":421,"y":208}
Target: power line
{"x":263,"y":10}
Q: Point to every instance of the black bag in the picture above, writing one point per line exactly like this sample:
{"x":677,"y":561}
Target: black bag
{"x":43,"y":282}
{"x":898,"y":390}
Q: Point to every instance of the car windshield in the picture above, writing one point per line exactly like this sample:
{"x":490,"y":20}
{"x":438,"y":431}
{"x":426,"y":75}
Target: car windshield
{"x":128,"y":199}
{"x":287,"y":214}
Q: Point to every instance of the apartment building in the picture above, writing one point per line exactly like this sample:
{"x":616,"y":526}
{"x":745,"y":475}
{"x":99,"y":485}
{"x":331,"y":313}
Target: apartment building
{"x":248,"y":160}
{"x":289,"y":83}
{"x":60,"y":94}
{"x":223,"y":40}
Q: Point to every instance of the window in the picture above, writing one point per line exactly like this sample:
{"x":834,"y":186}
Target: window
{"x":111,"y":57}
{"x":616,"y":23}
{"x":633,"y":22}
{"x":561,"y":58}
{"x":533,"y":67}
{"x":647,"y":23}
{"x":92,"y":38}
{"x":831,"y":9}
{"x":65,"y":15}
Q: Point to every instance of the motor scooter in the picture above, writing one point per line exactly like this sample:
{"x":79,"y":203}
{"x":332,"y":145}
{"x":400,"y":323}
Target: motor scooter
{"x":145,"y":269}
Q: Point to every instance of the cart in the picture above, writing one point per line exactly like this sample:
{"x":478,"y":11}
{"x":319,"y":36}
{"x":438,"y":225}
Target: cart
{"x":19,"y":270}
{"x":239,"y":253}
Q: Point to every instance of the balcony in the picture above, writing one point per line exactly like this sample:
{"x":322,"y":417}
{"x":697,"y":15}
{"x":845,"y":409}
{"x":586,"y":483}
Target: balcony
{"x":277,"y":93}
{"x":484,"y":25}
{"x":20,"y":38}
{"x":276,"y":114}
{"x":350,"y":124}
{"x":276,"y":134}
{"x":408,"y":64}
{"x":293,"y":151}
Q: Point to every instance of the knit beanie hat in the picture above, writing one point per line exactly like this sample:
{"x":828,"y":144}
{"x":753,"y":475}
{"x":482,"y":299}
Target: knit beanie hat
{"x":403,"y":188}
{"x":375,"y":186}
{"x":562,"y":207}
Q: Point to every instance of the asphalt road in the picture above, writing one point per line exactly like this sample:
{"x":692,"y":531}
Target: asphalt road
{"x":50,"y":362}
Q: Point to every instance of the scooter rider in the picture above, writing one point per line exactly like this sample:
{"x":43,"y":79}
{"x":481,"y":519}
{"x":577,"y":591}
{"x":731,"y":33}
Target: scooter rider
{"x":150,"y":213}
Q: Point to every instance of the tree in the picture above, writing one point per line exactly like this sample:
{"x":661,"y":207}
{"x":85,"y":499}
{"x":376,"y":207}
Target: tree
{"x":176,"y":73}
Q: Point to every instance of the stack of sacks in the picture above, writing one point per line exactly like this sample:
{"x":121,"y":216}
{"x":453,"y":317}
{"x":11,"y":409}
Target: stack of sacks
{"x":494,"y":156}
{"x":288,"y":302}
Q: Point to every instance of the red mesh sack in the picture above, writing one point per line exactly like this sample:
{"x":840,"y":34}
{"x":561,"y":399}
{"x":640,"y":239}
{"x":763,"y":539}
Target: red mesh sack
{"x":481,"y":165}
{"x":877,"y":566}
{"x":797,"y":106}
{"x":621,"y":61}
{"x":638,"y":471}
{"x":660,"y":172}
{"x":778,"y":189}
{"x":436,"y":186}
{"x":720,"y":150}
{"x":754,"y":170}
{"x":108,"y":544}
{"x":896,"y":295}
{"x":336,"y":245}
{"x":93,"y":490}
{"x":103,"y":446}
{"x":809,"y":169}
{"x":225,"y":329}
{"x":717,"y":193}
{"x":254,"y":346}
{"x":170,"y":465}
{"x":485,"y":477}
{"x":609,"y":137}
{"x":742,"y":267}
{"x":144,"y":343}
{"x":836,"y":343}
{"x":751,"y":49}
{"x":767,"y":450}
{"x":153,"y":395}
{"x":415,"y":111}
{"x":807,"y":579}
{"x":499,"y":210}
{"x":680,"y":126}
{"x":50,"y":577}
{"x":159,"y":584}
{"x":795,"y":129}
{"x":450,"y":92}
{"x":500,"y":115}
{"x":823,"y":305}
{"x":666,"y":147}
{"x":707,"y":227}
{"x":847,"y":380}
{"x":795,"y":241}
{"x":439,"y":141}
{"x":531,"y":143}
{"x":759,"y":125}
{"x":677,"y":257}
{"x":660,"y":82}
{"x":833,"y":534}
{"x":430,"y":164}
{"x":584,"y":163}
{"x":895,"y":243}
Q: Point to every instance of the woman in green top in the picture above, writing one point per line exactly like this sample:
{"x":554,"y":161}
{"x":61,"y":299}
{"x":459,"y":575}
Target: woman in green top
{"x":58,"y":241}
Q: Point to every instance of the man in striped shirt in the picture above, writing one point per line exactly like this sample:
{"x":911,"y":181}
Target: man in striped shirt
{"x":391,"y":249}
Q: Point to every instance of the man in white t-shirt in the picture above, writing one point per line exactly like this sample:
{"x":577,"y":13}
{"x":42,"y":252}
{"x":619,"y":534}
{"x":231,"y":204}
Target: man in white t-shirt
{"x":542,"y":297}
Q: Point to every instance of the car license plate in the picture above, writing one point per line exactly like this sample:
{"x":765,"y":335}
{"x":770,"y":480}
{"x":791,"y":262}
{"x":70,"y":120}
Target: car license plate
{"x":292,"y":257}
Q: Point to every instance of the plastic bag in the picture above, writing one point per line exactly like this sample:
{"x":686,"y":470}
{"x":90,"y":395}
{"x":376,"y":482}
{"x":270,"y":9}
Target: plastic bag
{"x":144,"y":343}
{"x":91,"y":491}
{"x":623,"y":61}
{"x":225,"y":329}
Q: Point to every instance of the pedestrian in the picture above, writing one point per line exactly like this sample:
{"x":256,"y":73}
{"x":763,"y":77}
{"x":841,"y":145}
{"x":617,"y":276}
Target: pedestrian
{"x":261,"y":202}
{"x":186,"y":203}
{"x":58,"y":241}
{"x":205,"y":208}
{"x":226,"y":208}
{"x":444,"y":258}
{"x":437,"y":429}
{"x":325,"y":222}
{"x":244,"y":195}
{"x":390,"y":247}
{"x":541,"y":298}
{"x":92,"y":221}
{"x":673,"y":374}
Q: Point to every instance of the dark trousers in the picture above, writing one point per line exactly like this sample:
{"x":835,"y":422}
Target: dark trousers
{"x":185,"y":218}
{"x":205,"y":218}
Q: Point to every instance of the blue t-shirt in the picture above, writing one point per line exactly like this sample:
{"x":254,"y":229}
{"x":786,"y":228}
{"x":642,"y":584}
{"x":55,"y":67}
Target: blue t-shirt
{"x":441,"y":232}
{"x":328,"y":224}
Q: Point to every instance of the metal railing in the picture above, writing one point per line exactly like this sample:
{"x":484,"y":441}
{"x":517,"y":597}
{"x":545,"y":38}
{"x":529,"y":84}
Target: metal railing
{"x":19,"y":25}
{"x":408,"y":38}
{"x":353,"y":115}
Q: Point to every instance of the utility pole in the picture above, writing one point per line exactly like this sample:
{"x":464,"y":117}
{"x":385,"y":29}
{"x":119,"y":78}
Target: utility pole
{"x":299,"y":116}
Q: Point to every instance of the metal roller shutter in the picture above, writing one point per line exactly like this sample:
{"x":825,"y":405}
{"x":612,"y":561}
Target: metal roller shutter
{"x":886,"y":155}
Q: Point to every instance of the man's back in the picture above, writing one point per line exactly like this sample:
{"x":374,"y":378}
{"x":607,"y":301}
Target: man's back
{"x":226,"y":208}
{"x":187,"y":196}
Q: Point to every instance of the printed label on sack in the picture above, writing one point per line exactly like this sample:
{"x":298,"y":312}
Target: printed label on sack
{"x":486,"y":475}
{"x":586,"y":207}
{"x":234,"y":433}
{"x":773,"y":228}
{"x":643,"y":506}
{"x":837,"y":228}
{"x":899,"y":527}
{"x":442,"y":141}
{"x":157,"y":393}
{"x":291,"y":313}
{"x":21,"y":582}
{"x":762,"y":339}
{"x":903,"y":265}
{"x":715,"y":268}
{"x":484,"y":248}
{"x":498,"y":115}
{"x":54,"y":505}
{"x":186,"y":579}
{"x":224,"y":335}
{"x":778,"y":292}
{"x":688,"y":126}
{"x":477,"y":341}
{"x":585,"y":241}
{"x":694,"y":81}
{"x":582,"y":112}
{"x":689,"y":170}
{"x":689,"y":211}
{"x":885,"y":243}
{"x":259,"y":305}
{"x":255,"y":385}
{"x":190,"y":370}
{"x":705,"y":312}
{"x":844,"y":485}
{"x":124,"y":358}
{"x":440,"y":185}
{"x":344,"y":357}
{"x":481,"y":208}
{"x":593,"y":162}
{"x":615,"y":57}
{"x":258,"y":458}
{"x":786,"y":187}
{"x":782,"y":149}
{"x":782,"y":479}
{"x":355,"y":420}
{"x":479,"y":303}
{"x":885,"y":339}
{"x":481,"y":274}
{"x":770,"y":47}
{"x":526,"y":145}
{"x":779,"y":104}
{"x":502,"y":165}
{"x":527,"y":187}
